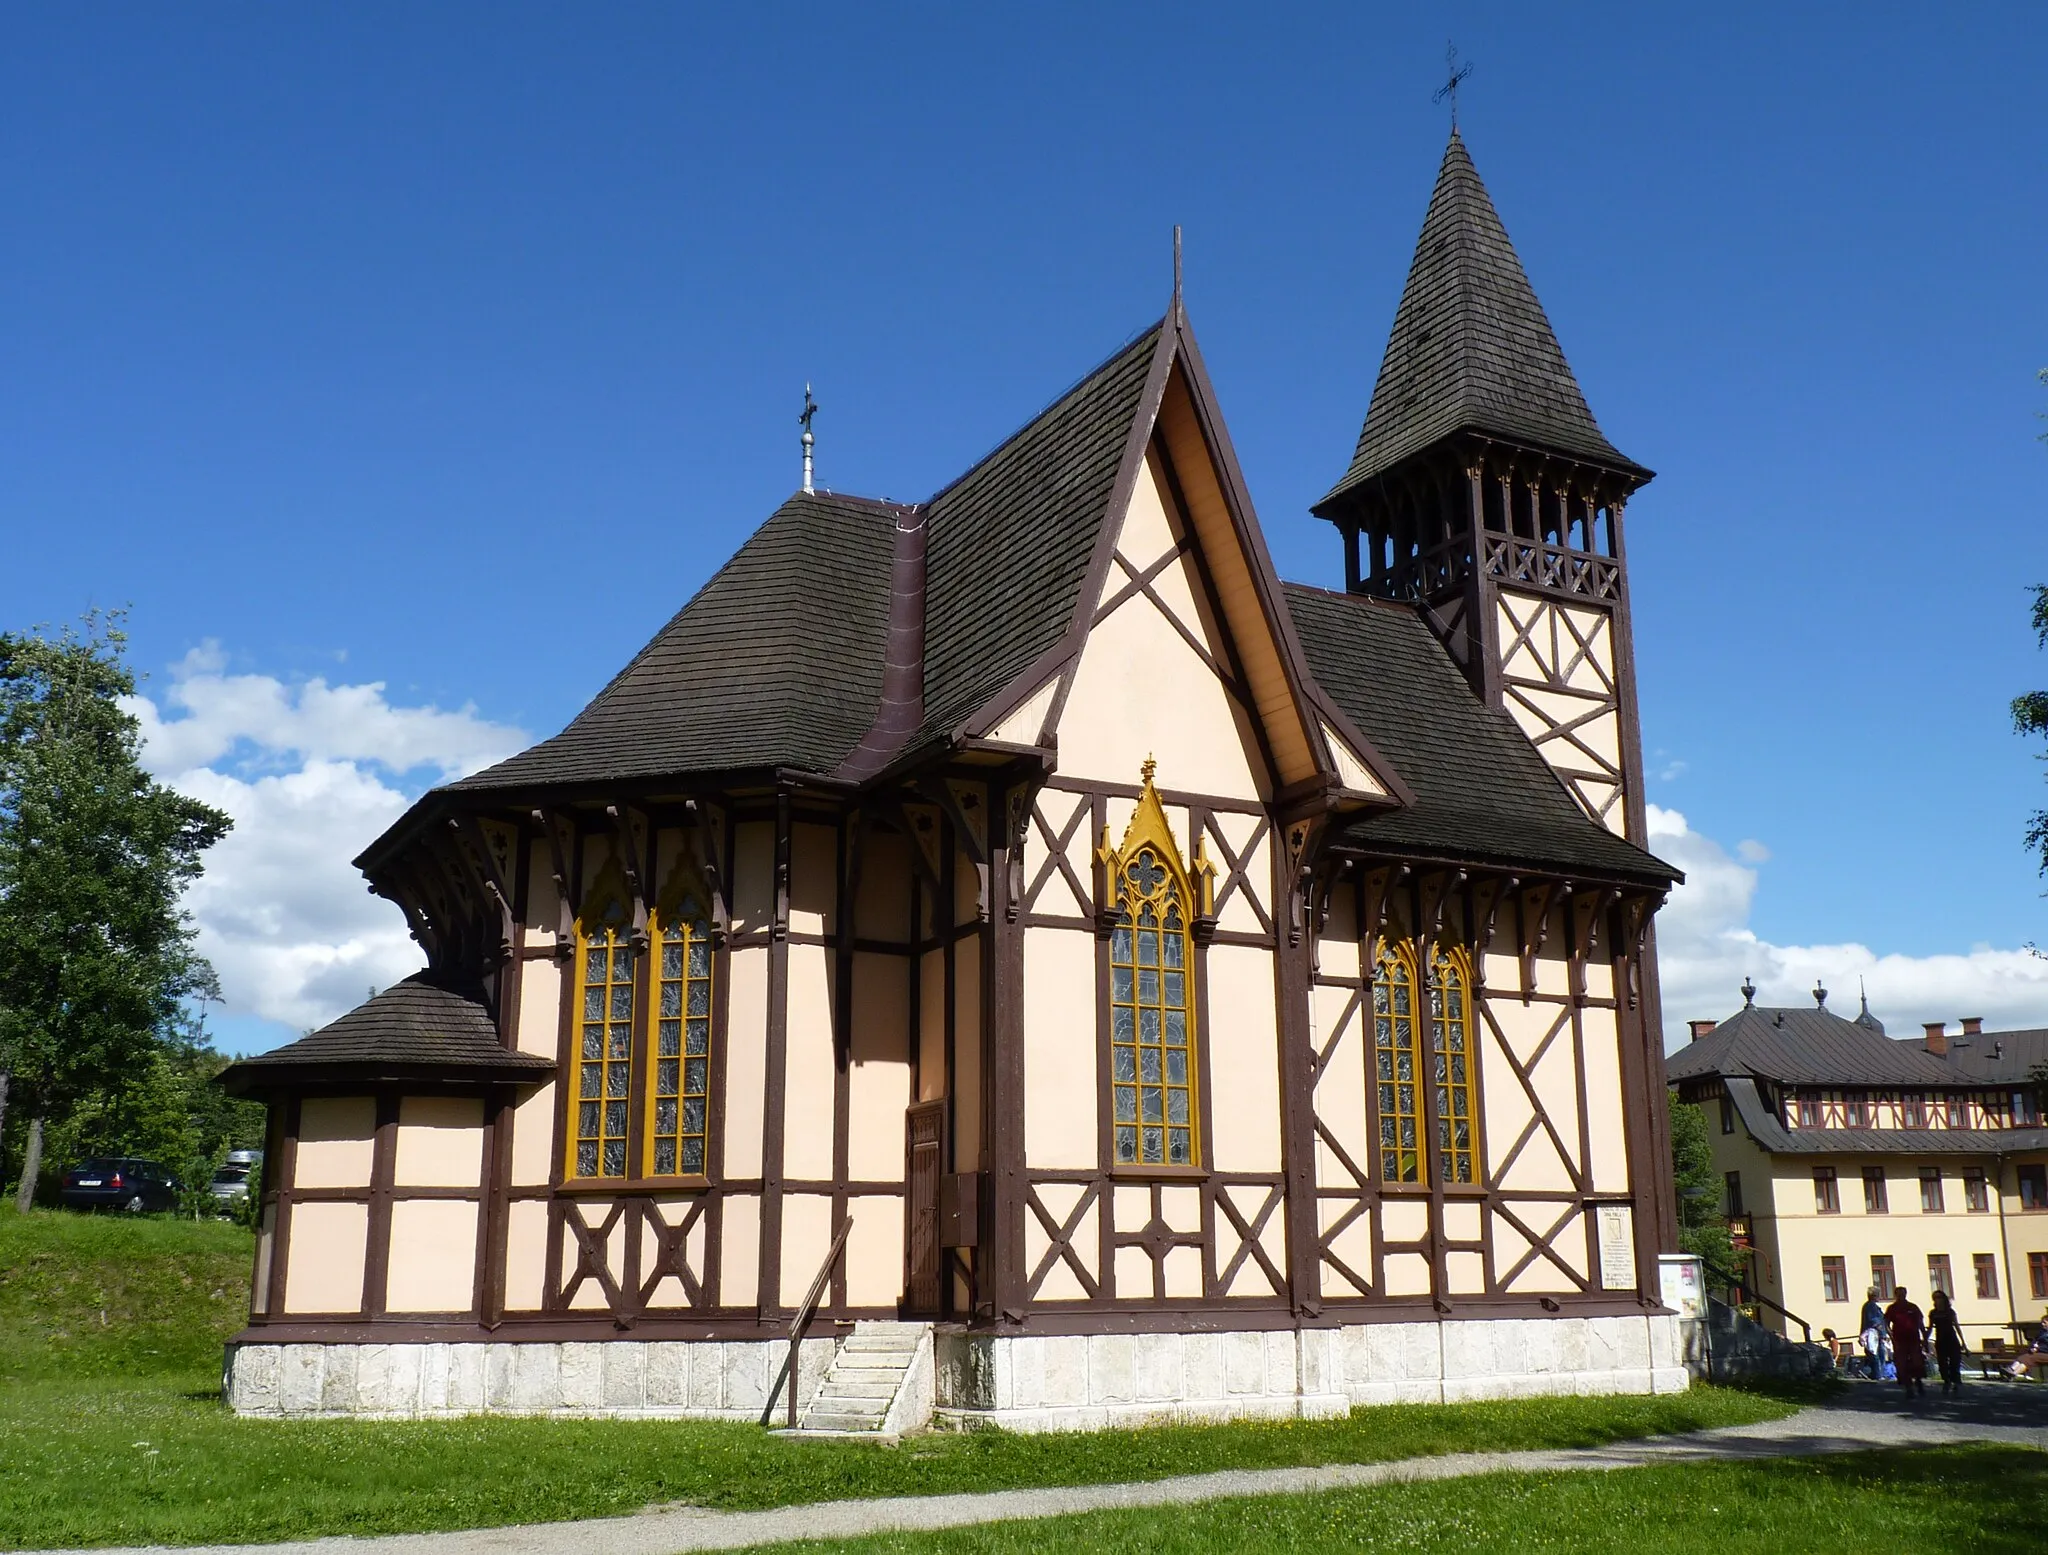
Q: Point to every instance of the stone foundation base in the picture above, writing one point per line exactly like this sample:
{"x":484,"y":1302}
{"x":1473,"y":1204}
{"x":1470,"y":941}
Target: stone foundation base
{"x":627,"y":1378}
{"x":1023,"y":1382}
{"x":1086,"y":1382}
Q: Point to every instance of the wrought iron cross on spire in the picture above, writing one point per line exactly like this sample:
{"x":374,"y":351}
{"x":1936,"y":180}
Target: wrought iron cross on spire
{"x":1456,"y":73}
{"x":810,"y":410}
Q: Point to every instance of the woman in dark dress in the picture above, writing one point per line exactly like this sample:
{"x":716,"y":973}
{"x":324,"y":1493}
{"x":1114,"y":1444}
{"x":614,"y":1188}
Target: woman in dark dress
{"x":1909,"y":1341}
{"x":1948,"y":1342}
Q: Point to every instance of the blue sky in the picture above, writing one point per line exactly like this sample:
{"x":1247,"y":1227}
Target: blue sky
{"x":403,"y":368}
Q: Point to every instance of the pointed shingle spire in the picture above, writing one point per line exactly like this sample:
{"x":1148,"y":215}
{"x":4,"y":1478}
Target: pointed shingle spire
{"x":1471,"y":350}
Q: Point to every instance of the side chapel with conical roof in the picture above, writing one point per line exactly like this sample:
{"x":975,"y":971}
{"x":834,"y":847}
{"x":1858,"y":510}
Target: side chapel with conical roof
{"x":1021,"y":947}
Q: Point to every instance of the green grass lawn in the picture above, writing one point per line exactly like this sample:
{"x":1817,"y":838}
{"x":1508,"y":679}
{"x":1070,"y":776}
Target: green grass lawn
{"x":1954,"y":1501}
{"x":112,"y":1431}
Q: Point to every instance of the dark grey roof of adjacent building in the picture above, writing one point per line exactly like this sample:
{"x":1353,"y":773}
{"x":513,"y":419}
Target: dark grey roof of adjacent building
{"x":776,"y":662}
{"x":1995,"y":1057}
{"x":1482,"y":792}
{"x":1472,"y":349}
{"x":1763,"y":1126}
{"x":420,"y":1028}
{"x":1806,"y":1047}
{"x":1010,"y":541}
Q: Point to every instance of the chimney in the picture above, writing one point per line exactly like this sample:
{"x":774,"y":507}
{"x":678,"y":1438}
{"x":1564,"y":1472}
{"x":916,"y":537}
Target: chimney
{"x":1700,"y":1028}
{"x":1937,"y":1037}
{"x":1973,"y":1025}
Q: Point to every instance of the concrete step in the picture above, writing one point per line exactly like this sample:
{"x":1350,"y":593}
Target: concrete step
{"x":833,"y":1420}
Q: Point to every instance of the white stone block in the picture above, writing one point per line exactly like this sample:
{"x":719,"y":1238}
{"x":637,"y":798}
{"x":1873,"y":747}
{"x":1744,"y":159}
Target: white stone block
{"x":1027,"y":1372}
{"x":1064,"y":1373}
{"x":433,"y":1390}
{"x":535,"y":1384}
{"x":1156,"y":1367}
{"x":667,"y":1377}
{"x":1201,"y":1359}
{"x":1111,"y":1369}
{"x":1244,"y":1363}
{"x":624,"y":1383}
{"x":582,"y":1372}
{"x":256,"y":1368}
{"x":338,"y":1379}
{"x":498,"y":1363}
{"x":707,"y":1376}
{"x":298,"y":1378}
{"x":466,"y":1392}
{"x":745,"y":1375}
{"x":1283,"y":1358}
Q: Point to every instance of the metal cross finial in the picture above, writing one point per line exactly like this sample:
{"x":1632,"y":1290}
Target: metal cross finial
{"x":1176,"y":263}
{"x":1456,"y":73}
{"x":810,"y":410}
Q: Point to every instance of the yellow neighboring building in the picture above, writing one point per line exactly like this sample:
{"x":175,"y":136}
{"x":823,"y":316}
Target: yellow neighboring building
{"x":1853,"y":1159}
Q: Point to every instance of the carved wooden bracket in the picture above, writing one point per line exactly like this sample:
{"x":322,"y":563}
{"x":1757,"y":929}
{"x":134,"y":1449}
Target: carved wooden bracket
{"x":963,"y":806}
{"x":1534,"y":906}
{"x":710,"y":841}
{"x":1376,"y":891}
{"x":1016,"y":818}
{"x":1588,"y":908}
{"x":629,"y":834}
{"x":779,"y":929}
{"x":1484,"y":896}
{"x":560,"y":832}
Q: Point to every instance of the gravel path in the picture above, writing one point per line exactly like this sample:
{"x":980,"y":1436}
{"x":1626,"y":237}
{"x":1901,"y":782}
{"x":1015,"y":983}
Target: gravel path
{"x":1869,"y":1416}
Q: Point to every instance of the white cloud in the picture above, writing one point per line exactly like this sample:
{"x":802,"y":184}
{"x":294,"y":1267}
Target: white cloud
{"x":311,"y":774}
{"x":1705,"y":948}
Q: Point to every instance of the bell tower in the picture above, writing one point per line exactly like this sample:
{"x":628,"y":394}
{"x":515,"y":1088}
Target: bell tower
{"x":1483,"y":492}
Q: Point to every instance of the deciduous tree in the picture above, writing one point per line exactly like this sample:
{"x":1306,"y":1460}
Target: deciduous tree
{"x":97,"y":965}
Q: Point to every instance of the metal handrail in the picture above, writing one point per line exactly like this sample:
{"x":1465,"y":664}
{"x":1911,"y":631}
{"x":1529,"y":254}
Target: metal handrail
{"x":1756,"y":1297}
{"x":801,"y":1323}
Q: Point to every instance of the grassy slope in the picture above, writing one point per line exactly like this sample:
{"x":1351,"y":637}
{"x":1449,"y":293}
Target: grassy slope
{"x":111,"y":1431}
{"x":1955,"y":1501}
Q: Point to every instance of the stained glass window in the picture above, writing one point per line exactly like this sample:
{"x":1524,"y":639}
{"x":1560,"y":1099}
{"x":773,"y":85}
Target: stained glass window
{"x":1152,"y":1022}
{"x":1453,"y":1067}
{"x":604,"y":1046}
{"x":679,"y":1099}
{"x":1397,"y":1059}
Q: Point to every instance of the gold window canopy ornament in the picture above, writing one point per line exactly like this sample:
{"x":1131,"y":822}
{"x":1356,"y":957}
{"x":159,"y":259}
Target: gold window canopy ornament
{"x":1149,"y":827}
{"x":1151,"y":902}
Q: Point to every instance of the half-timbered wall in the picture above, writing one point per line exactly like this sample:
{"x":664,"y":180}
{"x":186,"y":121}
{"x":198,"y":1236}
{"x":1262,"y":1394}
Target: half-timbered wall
{"x":1555,"y":1192}
{"x":1158,"y":681}
{"x":1560,"y":681}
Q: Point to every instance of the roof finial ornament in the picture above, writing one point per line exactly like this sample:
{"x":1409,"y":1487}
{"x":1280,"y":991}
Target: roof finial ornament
{"x":1456,"y":74}
{"x":1862,"y":996}
{"x":810,"y":410}
{"x":1748,"y":992}
{"x":1820,"y":994}
{"x":1145,"y":771}
{"x":1176,"y":266}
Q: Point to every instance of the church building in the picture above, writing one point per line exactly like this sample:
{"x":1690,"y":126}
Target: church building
{"x":1117,"y":984}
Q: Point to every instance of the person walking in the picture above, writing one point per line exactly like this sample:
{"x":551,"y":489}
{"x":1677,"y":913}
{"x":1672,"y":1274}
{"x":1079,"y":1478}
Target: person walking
{"x":1948,"y":1342}
{"x":1870,"y":1328}
{"x":1908,"y":1326}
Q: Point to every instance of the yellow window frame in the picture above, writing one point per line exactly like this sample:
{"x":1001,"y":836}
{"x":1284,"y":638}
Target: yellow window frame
{"x":603,"y":1044}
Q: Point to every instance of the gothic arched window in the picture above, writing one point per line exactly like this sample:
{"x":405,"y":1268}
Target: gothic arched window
{"x":1453,"y":1066}
{"x":603,"y":1069}
{"x":1397,"y":1064}
{"x":1402,"y":1069}
{"x":679,"y":1093}
{"x":1153,"y":1050}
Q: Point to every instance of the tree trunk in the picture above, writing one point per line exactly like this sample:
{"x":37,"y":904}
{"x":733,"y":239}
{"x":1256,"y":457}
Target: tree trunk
{"x":31,"y":1165}
{"x":6,"y":1079}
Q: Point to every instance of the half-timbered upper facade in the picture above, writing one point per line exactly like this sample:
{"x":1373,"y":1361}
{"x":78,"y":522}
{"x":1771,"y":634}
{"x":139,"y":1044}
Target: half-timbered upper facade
{"x":1020,"y":911}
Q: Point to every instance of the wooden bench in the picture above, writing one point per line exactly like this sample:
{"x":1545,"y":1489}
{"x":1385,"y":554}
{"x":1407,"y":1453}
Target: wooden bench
{"x":1993,"y":1358}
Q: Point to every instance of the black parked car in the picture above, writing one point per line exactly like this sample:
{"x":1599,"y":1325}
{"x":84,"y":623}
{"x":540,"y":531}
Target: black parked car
{"x":119,"y":1182}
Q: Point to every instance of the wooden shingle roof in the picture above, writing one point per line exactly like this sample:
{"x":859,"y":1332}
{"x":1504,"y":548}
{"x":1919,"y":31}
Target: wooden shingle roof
{"x":1472,"y":349}
{"x":1482,"y":792}
{"x":423,"y":1029}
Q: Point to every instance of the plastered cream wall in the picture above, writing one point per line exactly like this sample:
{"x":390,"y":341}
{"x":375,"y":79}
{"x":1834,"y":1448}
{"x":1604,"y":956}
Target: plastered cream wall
{"x":337,"y":1138}
{"x":1142,"y":690}
{"x":433,"y":1256}
{"x":324,"y":1272}
{"x":440,"y":1142}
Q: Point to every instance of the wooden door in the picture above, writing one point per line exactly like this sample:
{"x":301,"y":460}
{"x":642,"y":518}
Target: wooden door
{"x":923,"y":1125}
